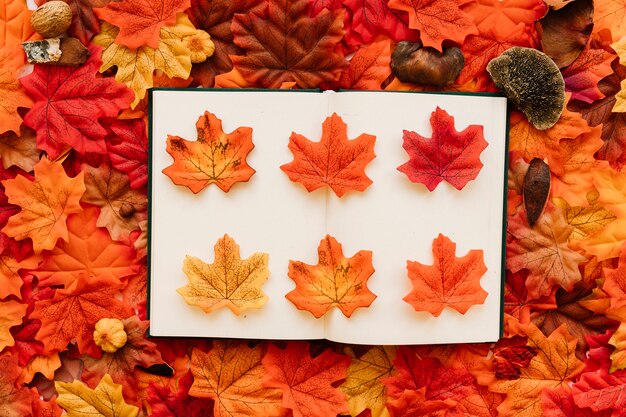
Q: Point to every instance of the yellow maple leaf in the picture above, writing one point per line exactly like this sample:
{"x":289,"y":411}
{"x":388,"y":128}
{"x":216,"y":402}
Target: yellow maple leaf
{"x":105,"y":400}
{"x":135,"y":67}
{"x":620,"y":99}
{"x":586,"y":220}
{"x":11,"y":314}
{"x":362,"y":386}
{"x":618,"y":356}
{"x":46,"y":202}
{"x":230,"y":281}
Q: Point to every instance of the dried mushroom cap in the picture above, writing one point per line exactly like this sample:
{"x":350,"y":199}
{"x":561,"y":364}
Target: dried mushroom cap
{"x":532,"y":81}
{"x":412,"y":63}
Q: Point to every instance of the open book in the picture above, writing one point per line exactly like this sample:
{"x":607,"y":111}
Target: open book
{"x":394,"y":218}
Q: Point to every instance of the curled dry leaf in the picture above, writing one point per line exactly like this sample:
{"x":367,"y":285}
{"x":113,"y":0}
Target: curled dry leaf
{"x":536,"y":189}
{"x":412,"y":63}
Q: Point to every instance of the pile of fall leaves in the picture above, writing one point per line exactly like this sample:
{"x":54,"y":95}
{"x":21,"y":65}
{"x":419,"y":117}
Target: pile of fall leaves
{"x":73,"y":216}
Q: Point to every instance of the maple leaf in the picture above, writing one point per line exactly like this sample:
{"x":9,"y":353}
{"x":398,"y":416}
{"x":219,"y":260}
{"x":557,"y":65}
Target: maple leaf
{"x":437,"y":20}
{"x":450,"y":282}
{"x":10,"y":279}
{"x":586,"y":219}
{"x":517,"y":301}
{"x":618,"y":340}
{"x":335,"y":160}
{"x":231,"y":375}
{"x":15,"y":399}
{"x":68,"y":103}
{"x":45,"y":204}
{"x":11,"y":314}
{"x":19,"y":150}
{"x":615,"y":282}
{"x":414,"y":403}
{"x":372,"y":18}
{"x":12,"y":95}
{"x":140,"y":21}
{"x":601,"y":391}
{"x":503,"y":16}
{"x":582,"y":76}
{"x":368,"y":69}
{"x":280,"y":45}
{"x":105,"y":400}
{"x":544,"y":251}
{"x":448,"y":155}
{"x":555,"y":365}
{"x":306,"y":382}
{"x":74,"y":312}
{"x":165,"y":403}
{"x":121,"y":209}
{"x":560,"y":403}
{"x":128,"y":150}
{"x":135,"y":68}
{"x":610,"y":14}
{"x":336,"y":281}
{"x":215,"y":17}
{"x":46,"y":408}
{"x":228,"y":282}
{"x":84,"y":21}
{"x":363,"y":385}
{"x":214,"y":158}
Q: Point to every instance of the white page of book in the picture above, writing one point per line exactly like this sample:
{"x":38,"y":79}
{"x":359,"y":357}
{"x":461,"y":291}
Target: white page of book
{"x":267,"y":214}
{"x":398,"y":219}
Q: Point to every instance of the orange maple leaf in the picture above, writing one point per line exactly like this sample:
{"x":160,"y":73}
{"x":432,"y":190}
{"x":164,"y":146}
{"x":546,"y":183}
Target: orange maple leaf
{"x":334,"y":281}
{"x":437,"y":20}
{"x":12,"y":95}
{"x":140,"y":21}
{"x":11,"y":314}
{"x":369,"y":67}
{"x":610,"y":14}
{"x":10,"y":279}
{"x":228,"y":282}
{"x":215,"y":157}
{"x":450,"y":282}
{"x":46,"y":202}
{"x":231,"y":374}
{"x":334,"y":161}
{"x":502,"y":16}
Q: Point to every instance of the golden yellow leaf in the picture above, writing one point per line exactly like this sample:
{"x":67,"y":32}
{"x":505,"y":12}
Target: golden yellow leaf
{"x":618,"y":357}
{"x":11,"y":314}
{"x":620,"y":102}
{"x":105,"y":400}
{"x":135,"y":67}
{"x":586,"y":220}
{"x":362,"y":386}
{"x":230,"y":281}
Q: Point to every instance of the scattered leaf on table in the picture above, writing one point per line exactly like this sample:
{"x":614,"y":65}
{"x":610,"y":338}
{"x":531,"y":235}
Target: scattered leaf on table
{"x":73,"y":313}
{"x":437,"y":20}
{"x":503,"y":15}
{"x":544,"y":251}
{"x":372,"y":18}
{"x":334,"y":161}
{"x":128,"y":150}
{"x":307,"y":383}
{"x":363,"y":385}
{"x":536,"y":189}
{"x":140,"y":21}
{"x":20,"y":151}
{"x":165,"y":403}
{"x":45,"y":204}
{"x":135,"y":68}
{"x":105,"y":400}
{"x":215,"y":157}
{"x":231,"y":374}
{"x":228,"y":282}
{"x":448,"y":155}
{"x":11,"y":314}
{"x":279,"y":45}
{"x":15,"y":399}
{"x":450,"y":282}
{"x":336,"y":281}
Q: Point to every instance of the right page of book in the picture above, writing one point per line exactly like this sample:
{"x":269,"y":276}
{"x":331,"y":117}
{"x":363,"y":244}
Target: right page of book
{"x":398,"y":220}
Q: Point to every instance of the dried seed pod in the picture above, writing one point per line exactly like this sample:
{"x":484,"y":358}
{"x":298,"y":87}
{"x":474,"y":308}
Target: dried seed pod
{"x":412,"y":63}
{"x":536,"y":189}
{"x":52,"y":19}
{"x":533,"y":82}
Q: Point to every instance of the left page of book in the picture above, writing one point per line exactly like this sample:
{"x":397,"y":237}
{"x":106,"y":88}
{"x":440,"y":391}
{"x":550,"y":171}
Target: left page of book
{"x":267,"y":214}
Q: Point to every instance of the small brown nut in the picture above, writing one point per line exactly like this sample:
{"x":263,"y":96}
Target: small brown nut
{"x":52,"y":19}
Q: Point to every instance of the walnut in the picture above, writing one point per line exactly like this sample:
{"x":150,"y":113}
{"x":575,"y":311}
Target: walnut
{"x":51,"y":19}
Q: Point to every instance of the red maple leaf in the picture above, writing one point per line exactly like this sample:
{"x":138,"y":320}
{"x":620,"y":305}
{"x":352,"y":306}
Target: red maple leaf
{"x":68,"y":103}
{"x":74,"y":312}
{"x":510,"y":355}
{"x":517,"y":301}
{"x":582,"y":76}
{"x":437,"y":20}
{"x":368,"y":69}
{"x":166,"y":403}
{"x":449,"y":155}
{"x":285,"y":44}
{"x":306,"y":382}
{"x":140,"y":21}
{"x":15,"y":399}
{"x":601,"y":390}
{"x":127,"y":146}
{"x":560,"y":403}
{"x":335,"y":160}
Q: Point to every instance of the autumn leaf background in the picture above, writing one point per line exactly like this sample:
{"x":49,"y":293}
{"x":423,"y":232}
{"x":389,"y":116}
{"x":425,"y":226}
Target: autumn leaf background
{"x":85,"y":171}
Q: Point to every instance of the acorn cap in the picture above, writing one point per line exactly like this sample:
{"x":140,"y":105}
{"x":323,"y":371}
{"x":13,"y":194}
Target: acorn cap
{"x":533,"y":82}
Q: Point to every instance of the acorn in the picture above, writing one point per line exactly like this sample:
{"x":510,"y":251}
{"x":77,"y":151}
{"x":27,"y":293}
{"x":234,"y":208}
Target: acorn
{"x":52,"y":19}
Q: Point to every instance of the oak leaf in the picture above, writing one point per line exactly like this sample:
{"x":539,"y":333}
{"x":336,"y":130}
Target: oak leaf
{"x":544,"y":251}
{"x":11,"y":314}
{"x":437,"y":20}
{"x":503,"y":16}
{"x":450,"y":282}
{"x":307,"y":382}
{"x":336,"y":281}
{"x":228,"y":282}
{"x":165,"y":403}
{"x":368,"y":69}
{"x":128,"y":150}
{"x":45,"y":204}
{"x":69,"y":101}
{"x":215,"y":157}
{"x":372,"y":18}
{"x":231,"y":375}
{"x":279,"y":45}
{"x":135,"y":68}
{"x":15,"y":399}
{"x":140,"y":21}
{"x":334,"y":161}
{"x":105,"y":400}
{"x":20,"y":150}
{"x":582,"y":76}
{"x":448,"y":155}
{"x":74,"y":312}
{"x":363,"y":385}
